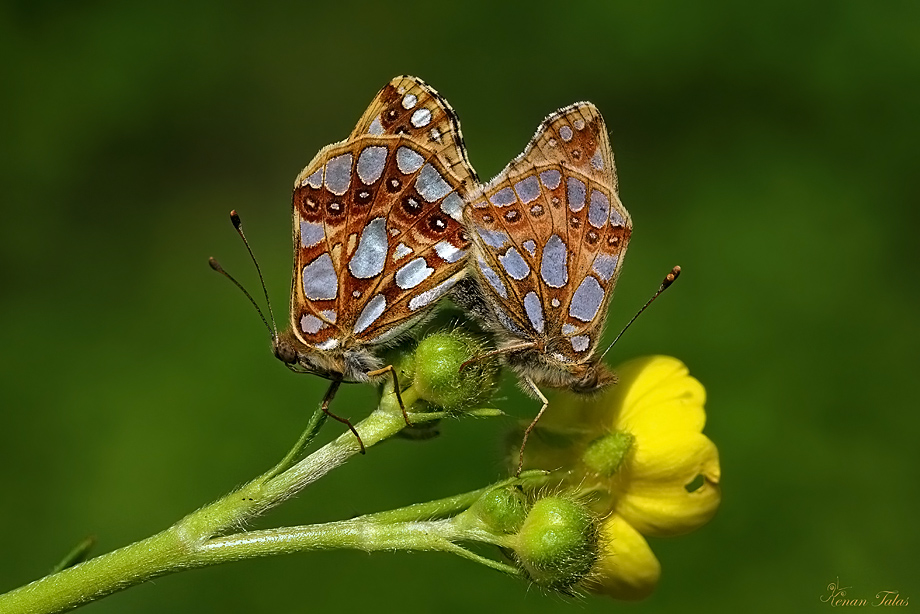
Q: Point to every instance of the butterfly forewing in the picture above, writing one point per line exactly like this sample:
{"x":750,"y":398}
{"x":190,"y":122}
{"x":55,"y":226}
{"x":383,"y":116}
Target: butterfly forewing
{"x":377,"y":230}
{"x":551,"y":232}
{"x":407,"y":105}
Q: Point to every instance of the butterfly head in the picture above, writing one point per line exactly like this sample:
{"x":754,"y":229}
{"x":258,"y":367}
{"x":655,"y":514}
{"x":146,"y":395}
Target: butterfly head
{"x":303,"y":359}
{"x":552,"y":370}
{"x":332,"y":362}
{"x":283,"y":348}
{"x":591,"y":377}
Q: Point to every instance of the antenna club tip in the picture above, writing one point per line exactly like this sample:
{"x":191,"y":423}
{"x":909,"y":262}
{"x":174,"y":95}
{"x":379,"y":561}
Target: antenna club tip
{"x":215,"y":264}
{"x":235,"y":218}
{"x":671,"y":277}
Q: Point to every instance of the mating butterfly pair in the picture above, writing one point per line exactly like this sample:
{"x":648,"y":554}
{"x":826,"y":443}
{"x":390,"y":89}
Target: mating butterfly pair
{"x":391,"y":219}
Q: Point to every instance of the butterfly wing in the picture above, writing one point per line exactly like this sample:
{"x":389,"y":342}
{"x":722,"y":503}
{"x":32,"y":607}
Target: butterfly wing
{"x":550,"y":234}
{"x":377,"y":231}
{"x":408,"y":105}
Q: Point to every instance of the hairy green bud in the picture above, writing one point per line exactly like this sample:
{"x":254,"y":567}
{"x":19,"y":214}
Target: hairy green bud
{"x":438,"y":378}
{"x":557,"y":544}
{"x":606,"y":454}
{"x":502,"y":510}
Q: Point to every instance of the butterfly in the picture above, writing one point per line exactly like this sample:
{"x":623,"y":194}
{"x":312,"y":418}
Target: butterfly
{"x":378,"y":236}
{"x":549,"y":235}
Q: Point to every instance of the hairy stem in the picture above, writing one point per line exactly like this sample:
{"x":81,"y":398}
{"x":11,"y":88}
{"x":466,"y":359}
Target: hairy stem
{"x":181,"y":546}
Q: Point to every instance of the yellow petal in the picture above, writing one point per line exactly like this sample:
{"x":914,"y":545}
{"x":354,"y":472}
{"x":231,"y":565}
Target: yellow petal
{"x":658,"y":394}
{"x":627,"y":567}
{"x":655,"y":499}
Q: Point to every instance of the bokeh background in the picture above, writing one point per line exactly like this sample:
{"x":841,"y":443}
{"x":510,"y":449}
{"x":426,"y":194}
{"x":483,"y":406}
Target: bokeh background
{"x":769,"y":149}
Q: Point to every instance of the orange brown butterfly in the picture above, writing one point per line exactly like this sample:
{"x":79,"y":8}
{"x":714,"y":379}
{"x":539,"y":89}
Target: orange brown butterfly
{"x":377,"y":235}
{"x":549,"y":236}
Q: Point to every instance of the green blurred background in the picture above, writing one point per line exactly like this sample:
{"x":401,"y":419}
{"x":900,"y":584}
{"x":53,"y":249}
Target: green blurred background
{"x":769,"y":149}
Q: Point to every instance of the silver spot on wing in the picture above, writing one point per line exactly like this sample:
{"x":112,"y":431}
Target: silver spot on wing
{"x":576,"y":193}
{"x":338,"y":174}
{"x":428,"y":296}
{"x":528,"y":190}
{"x":503,"y":197}
{"x":376,"y":128}
{"x":401,"y":251}
{"x":453,"y":206}
{"x":311,"y":234}
{"x":587,"y":299}
{"x":580,"y":343}
{"x":534,"y":309}
{"x":310,"y":324}
{"x":492,"y":238}
{"x":551,"y":179}
{"x":371,"y":162}
{"x":408,"y":161}
{"x":605,"y":266}
{"x":319,"y":280}
{"x":420,"y":118}
{"x":599,"y":209}
{"x":447,"y":252}
{"x":372,"y":310}
{"x":431,"y":185}
{"x":315,"y":180}
{"x":371,"y":255}
{"x":554,"y":263}
{"x":492,"y":277}
{"x":514,"y":264}
{"x":413,"y":273}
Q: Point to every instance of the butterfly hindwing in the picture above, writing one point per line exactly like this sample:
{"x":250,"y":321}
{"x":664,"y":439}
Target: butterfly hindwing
{"x":407,"y":105}
{"x":551,"y":232}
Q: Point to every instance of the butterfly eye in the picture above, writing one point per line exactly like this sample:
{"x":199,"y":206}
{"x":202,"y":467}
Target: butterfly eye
{"x":285,"y":352}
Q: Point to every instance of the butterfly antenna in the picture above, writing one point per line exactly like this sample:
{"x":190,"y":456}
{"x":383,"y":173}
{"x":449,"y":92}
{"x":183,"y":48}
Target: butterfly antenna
{"x":668,"y":280}
{"x":238,"y":225}
{"x":216,"y":266}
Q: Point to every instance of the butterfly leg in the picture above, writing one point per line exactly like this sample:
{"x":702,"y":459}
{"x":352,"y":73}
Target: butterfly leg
{"x":531,"y":426}
{"x":333,"y":388}
{"x":390,"y":369}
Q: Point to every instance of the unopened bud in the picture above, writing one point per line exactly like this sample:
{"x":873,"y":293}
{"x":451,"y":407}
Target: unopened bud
{"x":439,"y":379}
{"x":557,"y":544}
{"x":502,"y":510}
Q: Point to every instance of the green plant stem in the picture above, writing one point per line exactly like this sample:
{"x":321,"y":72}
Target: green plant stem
{"x":369,"y":536}
{"x":448,"y":506}
{"x":180,"y":546}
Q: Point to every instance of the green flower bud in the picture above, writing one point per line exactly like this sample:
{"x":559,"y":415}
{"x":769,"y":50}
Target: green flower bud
{"x":438,"y":378}
{"x":557,"y":544}
{"x":502,"y":510}
{"x":607,"y":453}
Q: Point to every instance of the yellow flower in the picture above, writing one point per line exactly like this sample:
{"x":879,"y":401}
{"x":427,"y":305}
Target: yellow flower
{"x":638,"y":448}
